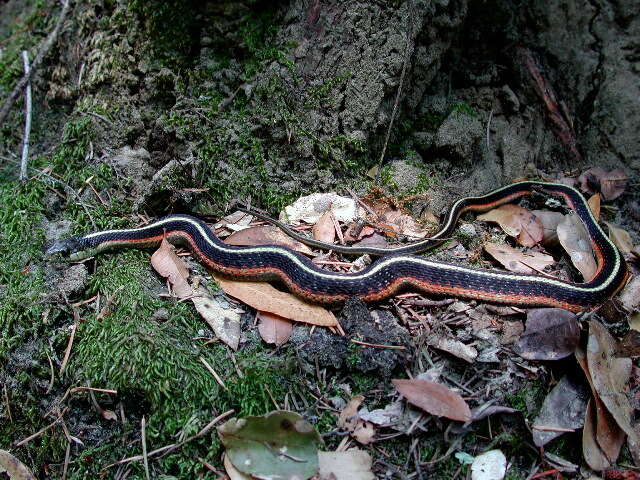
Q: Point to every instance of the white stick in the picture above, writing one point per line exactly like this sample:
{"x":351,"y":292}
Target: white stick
{"x":27,"y":121}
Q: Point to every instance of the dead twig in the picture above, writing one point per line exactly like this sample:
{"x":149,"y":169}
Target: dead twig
{"x":170,"y":448}
{"x":67,"y":352}
{"x":27,"y":120}
{"x":42,"y":53}
{"x":42,"y":430}
{"x":6,"y":401}
{"x":145,"y":459}
{"x":376,"y":345}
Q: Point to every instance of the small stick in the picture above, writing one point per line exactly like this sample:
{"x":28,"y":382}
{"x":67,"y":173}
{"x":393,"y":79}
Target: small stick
{"x":52,"y":374}
{"x":214,"y":373}
{"x":41,"y":431}
{"x":27,"y":120}
{"x":552,"y":429}
{"x":66,"y":460}
{"x":169,"y":448}
{"x":6,"y":401}
{"x":376,"y":345}
{"x":144,"y":450}
{"x":67,"y":351}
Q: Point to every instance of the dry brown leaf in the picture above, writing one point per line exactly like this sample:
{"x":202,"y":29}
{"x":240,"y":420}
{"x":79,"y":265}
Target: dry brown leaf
{"x":630,"y":295}
{"x":613,"y":184}
{"x":274,"y":329}
{"x":594,"y":205}
{"x":264,"y":297}
{"x":402,"y":224}
{"x":354,"y":464}
{"x":434,"y":398}
{"x":591,"y":451}
{"x":443,"y":340}
{"x":364,"y":432}
{"x":608,"y":435}
{"x":610,"y":376}
{"x":165,"y":261}
{"x":223,"y":320}
{"x":517,"y":261}
{"x":266,"y":235}
{"x":621,"y":238}
{"x":325,"y":230}
{"x":575,"y":240}
{"x":348,"y":418}
{"x":14,"y":468}
{"x":516,"y":222}
{"x":550,"y":221}
{"x":551,"y":334}
{"x":563,"y":409}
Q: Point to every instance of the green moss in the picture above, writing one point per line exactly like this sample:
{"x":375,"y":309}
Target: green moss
{"x":172,"y":27}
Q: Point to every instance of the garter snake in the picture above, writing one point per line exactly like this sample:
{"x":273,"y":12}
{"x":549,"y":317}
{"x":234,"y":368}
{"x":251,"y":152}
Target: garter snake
{"x":398,"y":269}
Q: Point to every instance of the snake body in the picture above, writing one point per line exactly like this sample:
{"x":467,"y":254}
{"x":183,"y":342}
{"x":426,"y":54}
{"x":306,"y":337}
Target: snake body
{"x":388,"y":275}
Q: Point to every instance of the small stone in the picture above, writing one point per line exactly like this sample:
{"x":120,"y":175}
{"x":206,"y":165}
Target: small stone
{"x":468,"y":230}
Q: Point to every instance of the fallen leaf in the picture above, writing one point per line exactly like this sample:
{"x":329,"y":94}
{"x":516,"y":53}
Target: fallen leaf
{"x":364,"y":432}
{"x":348,"y":418}
{"x":589,"y":181}
{"x":354,"y":232}
{"x":593,"y":455}
{"x":608,"y":435}
{"x":165,"y":261}
{"x":402,"y":223}
{"x":517,"y":261}
{"x":280,"y":445}
{"x":575,"y":240}
{"x":324,"y":229}
{"x":485,"y":411}
{"x":266,"y":298}
{"x":434,"y":398}
{"x":14,"y":468}
{"x":550,"y":334}
{"x":550,"y":221}
{"x":562,"y":409}
{"x":223,"y":319}
{"x":375,"y":240}
{"x":274,"y":329}
{"x":224,"y":322}
{"x":621,"y":238}
{"x":630,"y":295}
{"x":444,"y":341}
{"x":266,"y":235}
{"x":516,"y":222}
{"x":383,"y":417}
{"x":233,"y":472}
{"x":610,"y":376}
{"x":354,"y":464}
{"x":594,"y":205}
{"x":613,"y":184}
{"x":491,"y":465}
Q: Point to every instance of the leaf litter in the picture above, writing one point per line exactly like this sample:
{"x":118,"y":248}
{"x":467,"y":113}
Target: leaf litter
{"x":555,"y":336}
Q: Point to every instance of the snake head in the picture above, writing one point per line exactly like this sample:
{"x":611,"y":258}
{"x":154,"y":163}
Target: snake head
{"x":68,"y":249}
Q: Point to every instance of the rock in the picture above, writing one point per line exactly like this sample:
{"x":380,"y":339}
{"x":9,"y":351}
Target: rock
{"x":406,"y":174}
{"x":132,"y":164}
{"x":458,"y":136}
